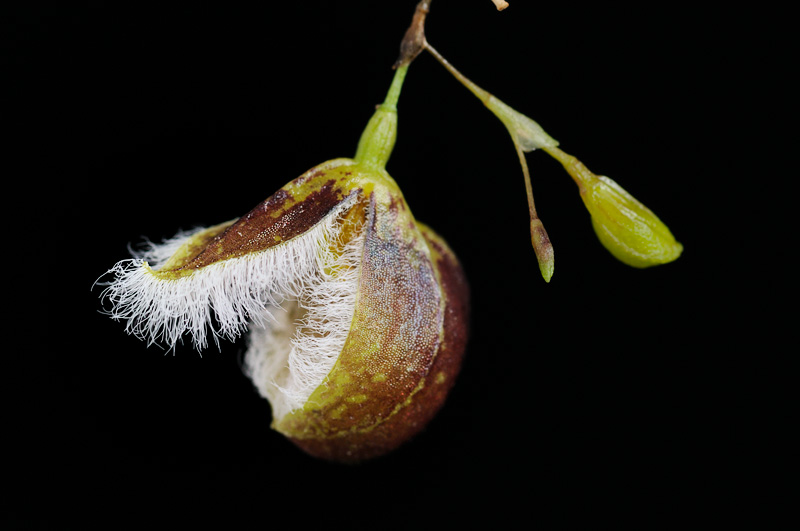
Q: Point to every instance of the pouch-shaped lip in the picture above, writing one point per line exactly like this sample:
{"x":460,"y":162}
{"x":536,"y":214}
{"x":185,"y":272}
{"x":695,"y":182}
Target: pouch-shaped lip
{"x":229,"y":277}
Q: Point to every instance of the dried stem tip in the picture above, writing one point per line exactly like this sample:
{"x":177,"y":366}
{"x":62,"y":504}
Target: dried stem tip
{"x":501,"y":4}
{"x":414,"y":40}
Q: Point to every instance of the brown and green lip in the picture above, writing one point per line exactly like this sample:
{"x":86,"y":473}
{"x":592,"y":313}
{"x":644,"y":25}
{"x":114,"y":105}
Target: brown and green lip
{"x":409,"y":327}
{"x":368,"y":410}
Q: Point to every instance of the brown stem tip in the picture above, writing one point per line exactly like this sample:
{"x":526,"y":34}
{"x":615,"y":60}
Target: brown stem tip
{"x":414,"y":40}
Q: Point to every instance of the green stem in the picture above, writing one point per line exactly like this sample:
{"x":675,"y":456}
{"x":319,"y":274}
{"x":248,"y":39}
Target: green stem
{"x":575,"y":168}
{"x":527,"y":135}
{"x":394,"y":90}
{"x":475,"y":89}
{"x":377,"y":140}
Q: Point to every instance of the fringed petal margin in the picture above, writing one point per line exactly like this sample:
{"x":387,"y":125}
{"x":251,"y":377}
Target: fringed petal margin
{"x":222,"y":297}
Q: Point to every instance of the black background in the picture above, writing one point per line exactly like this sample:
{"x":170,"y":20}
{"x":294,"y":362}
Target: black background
{"x":610,"y":394}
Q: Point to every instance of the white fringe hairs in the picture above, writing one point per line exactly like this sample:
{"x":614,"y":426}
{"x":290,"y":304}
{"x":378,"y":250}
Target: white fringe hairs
{"x":297,"y":297}
{"x":238,"y":290}
{"x":290,"y":356}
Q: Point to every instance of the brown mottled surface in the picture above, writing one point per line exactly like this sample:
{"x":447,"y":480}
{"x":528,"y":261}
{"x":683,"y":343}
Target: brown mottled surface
{"x":436,"y":382}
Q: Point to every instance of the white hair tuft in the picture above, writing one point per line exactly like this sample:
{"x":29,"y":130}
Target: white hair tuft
{"x":223,"y":297}
{"x":290,"y":356}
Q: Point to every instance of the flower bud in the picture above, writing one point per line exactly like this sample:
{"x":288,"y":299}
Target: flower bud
{"x":628,"y":229}
{"x":543,"y":249}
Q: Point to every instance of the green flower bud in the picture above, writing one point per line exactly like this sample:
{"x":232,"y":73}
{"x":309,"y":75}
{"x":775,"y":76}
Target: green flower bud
{"x":627,"y":228}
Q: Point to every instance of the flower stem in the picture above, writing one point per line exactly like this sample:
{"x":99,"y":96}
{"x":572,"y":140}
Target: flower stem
{"x":394,"y":89}
{"x":539,"y":238}
{"x":526,"y":174}
{"x":510,"y":118}
{"x":464,"y":80}
{"x":377,"y":141}
{"x":575,"y":168}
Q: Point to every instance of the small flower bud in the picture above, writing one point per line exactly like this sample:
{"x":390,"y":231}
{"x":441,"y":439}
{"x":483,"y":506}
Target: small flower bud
{"x":627,"y":228}
{"x":543,"y":249}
